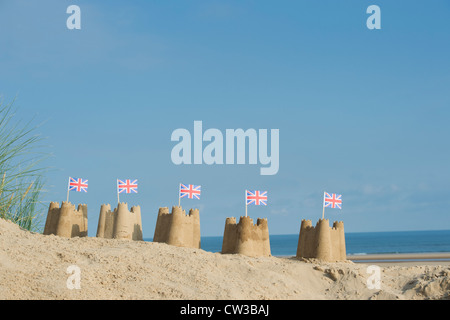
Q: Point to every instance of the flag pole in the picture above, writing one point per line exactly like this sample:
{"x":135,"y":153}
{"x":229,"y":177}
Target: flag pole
{"x":118,"y":200}
{"x":68,"y":184}
{"x":323,"y":205}
{"x":179,"y":199}
{"x":245,"y":202}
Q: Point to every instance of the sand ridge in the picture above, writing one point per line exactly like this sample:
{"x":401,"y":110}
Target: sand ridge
{"x":33,"y":266}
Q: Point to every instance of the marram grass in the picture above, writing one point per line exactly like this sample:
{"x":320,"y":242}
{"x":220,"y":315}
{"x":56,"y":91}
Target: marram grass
{"x":21,"y":176}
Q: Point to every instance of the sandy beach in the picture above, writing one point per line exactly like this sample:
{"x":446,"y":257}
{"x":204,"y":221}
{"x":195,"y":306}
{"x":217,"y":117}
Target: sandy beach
{"x":34,"y":266}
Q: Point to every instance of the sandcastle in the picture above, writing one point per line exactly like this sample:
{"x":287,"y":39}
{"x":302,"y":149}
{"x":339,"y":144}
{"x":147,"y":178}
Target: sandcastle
{"x":246,"y":238}
{"x":66,"y":221}
{"x":177,"y":228}
{"x":120,"y":223}
{"x":322,"y":242}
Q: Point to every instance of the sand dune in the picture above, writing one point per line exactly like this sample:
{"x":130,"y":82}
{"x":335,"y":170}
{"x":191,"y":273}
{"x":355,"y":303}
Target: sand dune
{"x":33,"y":266}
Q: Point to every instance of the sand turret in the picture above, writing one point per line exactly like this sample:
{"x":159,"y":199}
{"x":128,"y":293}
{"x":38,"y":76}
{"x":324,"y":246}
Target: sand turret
{"x":66,"y":221}
{"x":120,"y":223}
{"x":177,"y":228}
{"x":322,"y":242}
{"x":246,"y":238}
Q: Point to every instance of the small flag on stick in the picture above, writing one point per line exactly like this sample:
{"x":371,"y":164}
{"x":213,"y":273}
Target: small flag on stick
{"x":255,"y":197}
{"x":126,"y":186}
{"x":189,"y":191}
{"x":331,"y":201}
{"x":76,"y":184}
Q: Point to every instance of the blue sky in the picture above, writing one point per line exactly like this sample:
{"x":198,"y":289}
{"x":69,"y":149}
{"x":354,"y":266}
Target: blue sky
{"x":363,"y":113}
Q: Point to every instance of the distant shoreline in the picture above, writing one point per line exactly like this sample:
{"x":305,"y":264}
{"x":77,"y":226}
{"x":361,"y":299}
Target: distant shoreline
{"x":399,"y":259}
{"x":401,"y":256}
{"x":406,"y":259}
{"x":382,"y":247}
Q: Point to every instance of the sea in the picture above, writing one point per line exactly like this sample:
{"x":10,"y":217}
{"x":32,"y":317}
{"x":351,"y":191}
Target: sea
{"x":358,"y":243}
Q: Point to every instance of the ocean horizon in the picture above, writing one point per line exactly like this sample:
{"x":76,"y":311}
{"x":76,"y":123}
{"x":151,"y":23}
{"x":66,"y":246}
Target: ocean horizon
{"x":357,"y":243}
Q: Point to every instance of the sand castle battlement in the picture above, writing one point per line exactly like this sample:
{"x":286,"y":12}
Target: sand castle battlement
{"x":322,"y":241}
{"x":120,"y":223}
{"x":246,"y":238}
{"x":177,"y":228}
{"x":66,"y":221}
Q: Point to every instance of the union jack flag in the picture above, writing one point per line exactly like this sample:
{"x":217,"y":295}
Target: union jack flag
{"x":127,"y":186}
{"x":256,"y":197}
{"x":332,"y":201}
{"x":78,"y":184}
{"x":190,"y":191}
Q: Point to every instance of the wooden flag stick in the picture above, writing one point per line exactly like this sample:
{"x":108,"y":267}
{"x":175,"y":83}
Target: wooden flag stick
{"x":323,"y":205}
{"x":179,"y":198}
{"x":68,"y":184}
{"x":245,"y":202}
{"x":118,"y":200}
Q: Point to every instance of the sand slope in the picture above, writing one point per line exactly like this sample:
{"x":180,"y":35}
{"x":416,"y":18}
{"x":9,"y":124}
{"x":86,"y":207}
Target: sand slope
{"x":33,"y":266}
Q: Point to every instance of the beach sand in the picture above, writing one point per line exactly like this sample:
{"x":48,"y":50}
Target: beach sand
{"x":34,"y":266}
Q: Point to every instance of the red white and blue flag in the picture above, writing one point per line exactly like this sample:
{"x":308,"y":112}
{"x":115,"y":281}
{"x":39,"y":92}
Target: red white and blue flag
{"x":127,"y":186}
{"x":78,"y":184}
{"x":332,"y":201}
{"x":190,"y":191}
{"x":256,"y":197}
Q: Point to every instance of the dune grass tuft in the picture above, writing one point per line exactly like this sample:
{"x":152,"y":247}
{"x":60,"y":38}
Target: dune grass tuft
{"x":22,"y":178}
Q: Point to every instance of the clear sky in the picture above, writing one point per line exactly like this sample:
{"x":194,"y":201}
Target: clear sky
{"x":362,"y":113}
